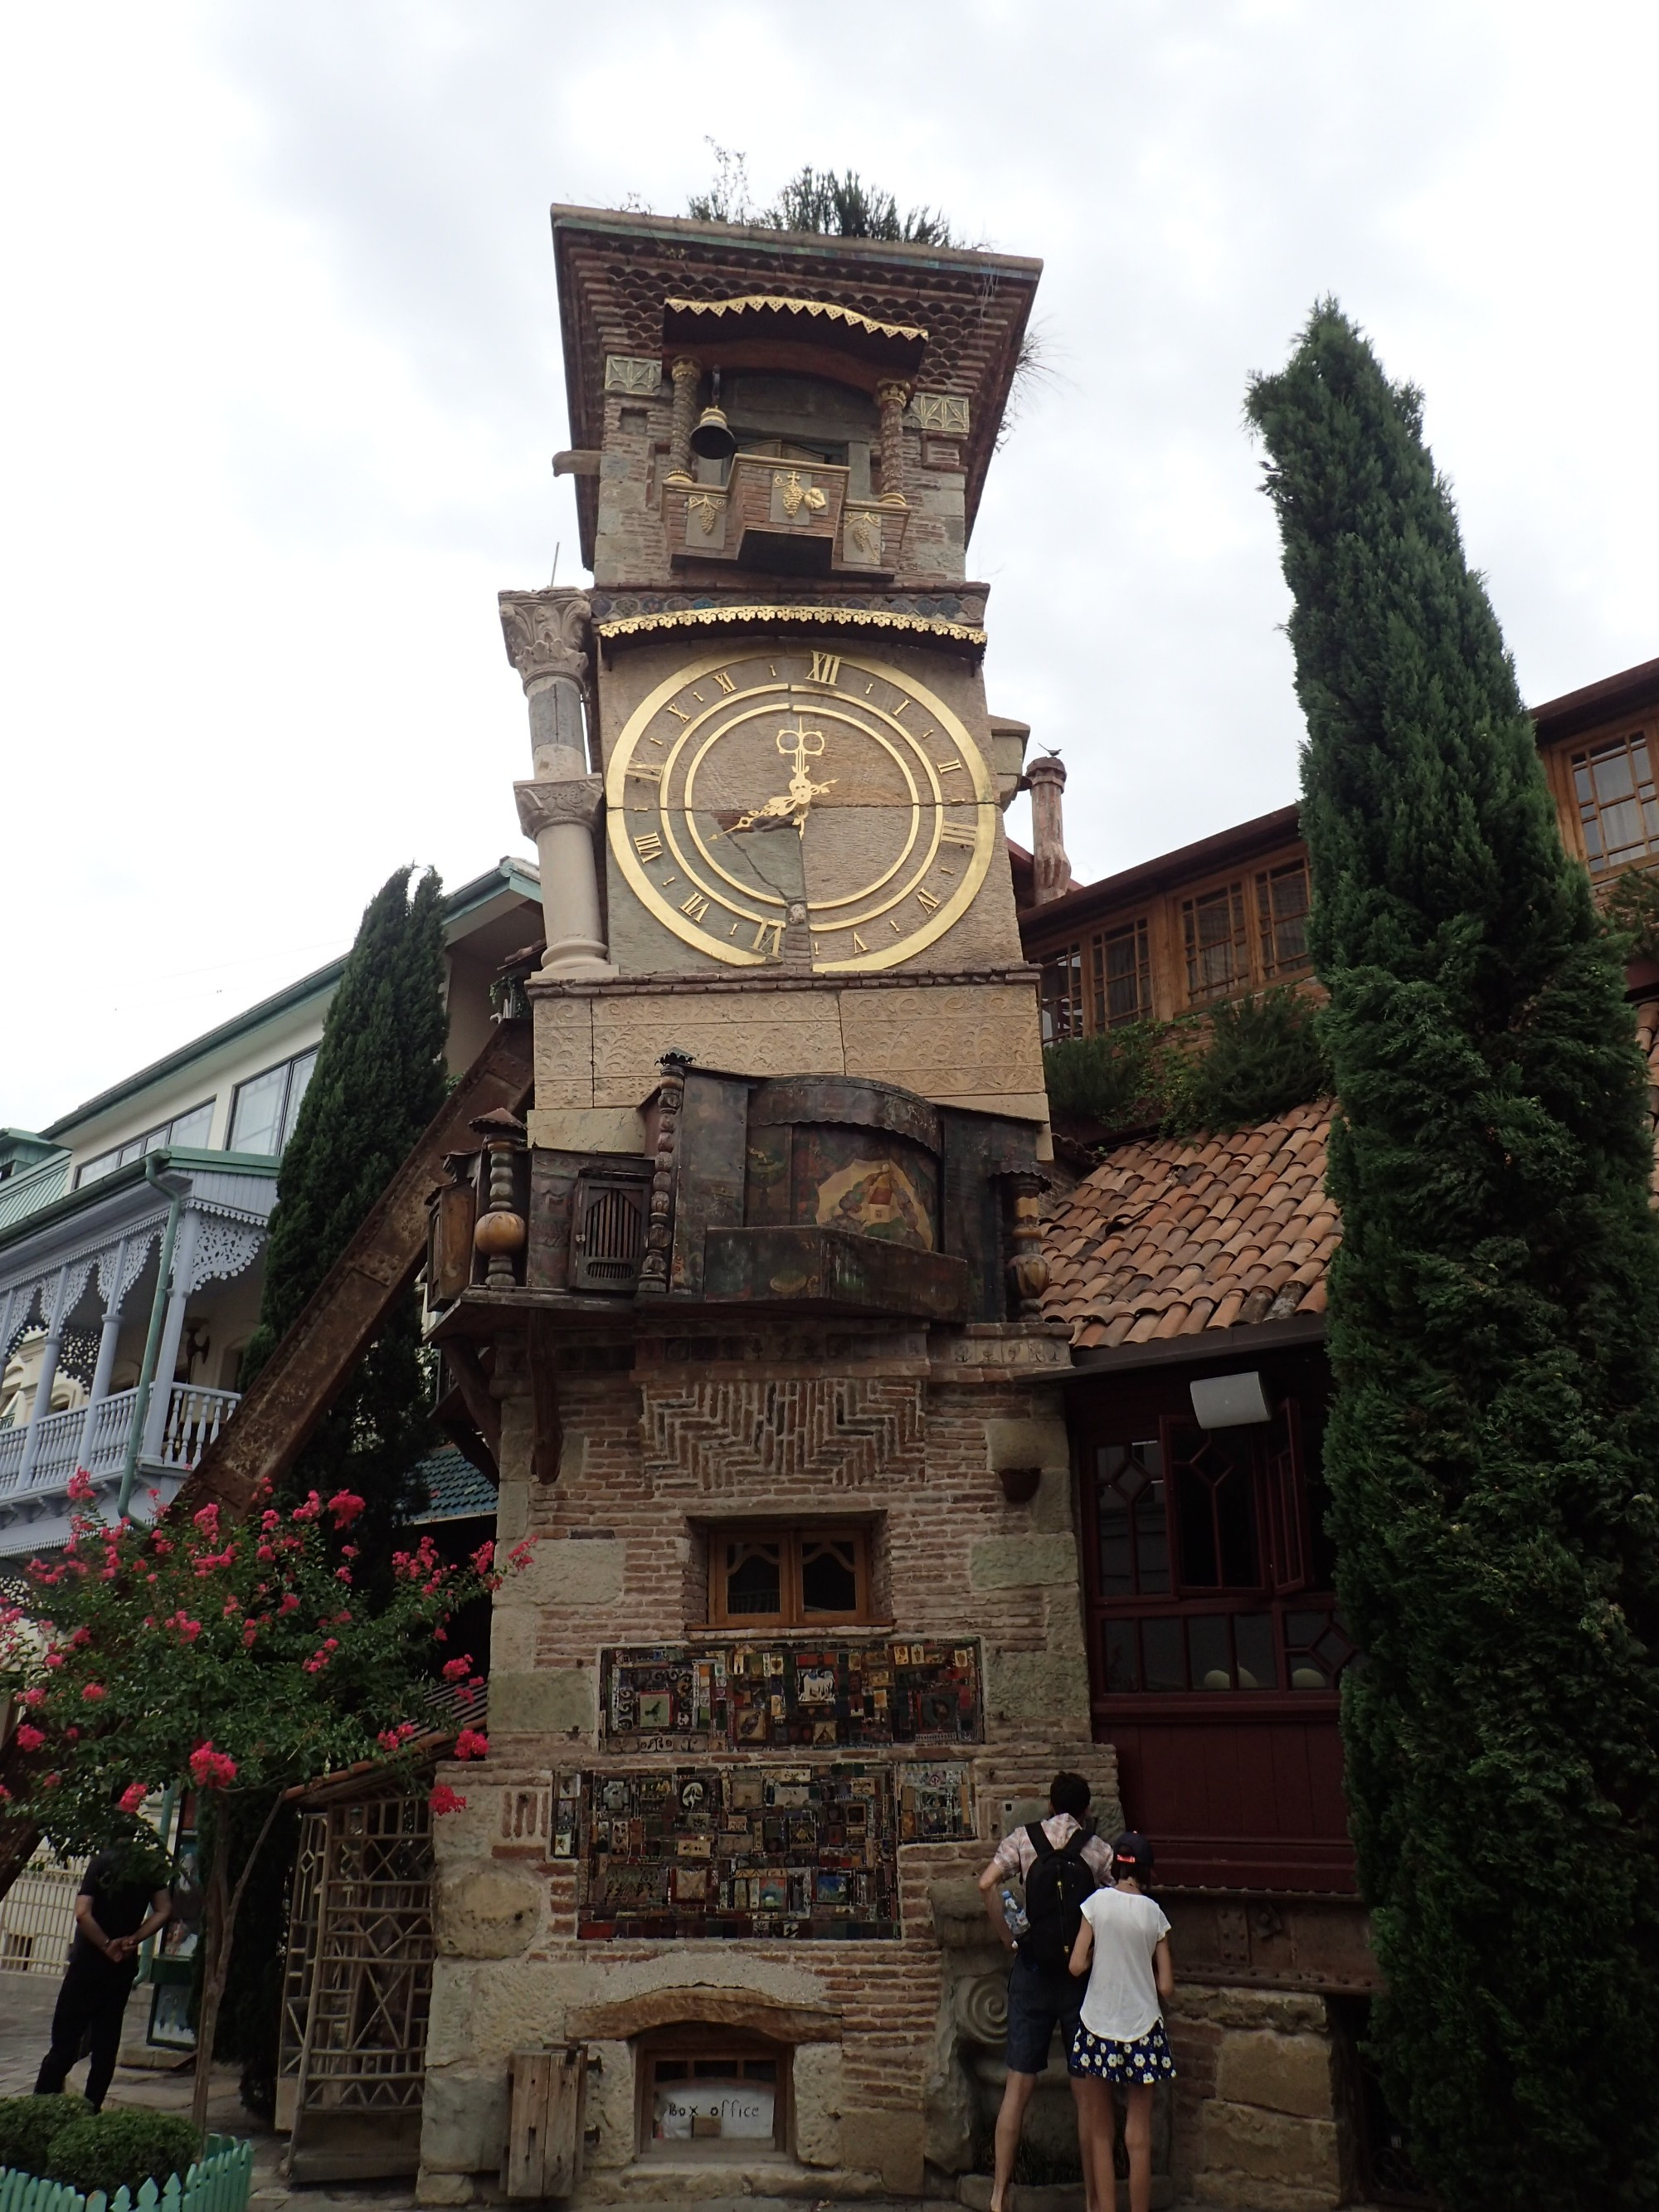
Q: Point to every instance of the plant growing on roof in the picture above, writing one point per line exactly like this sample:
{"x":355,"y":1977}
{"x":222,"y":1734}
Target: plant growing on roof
{"x":241,"y":1661}
{"x":1494,"y":1320}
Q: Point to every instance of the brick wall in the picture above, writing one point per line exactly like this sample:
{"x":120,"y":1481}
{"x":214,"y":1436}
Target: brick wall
{"x":652,"y":1458}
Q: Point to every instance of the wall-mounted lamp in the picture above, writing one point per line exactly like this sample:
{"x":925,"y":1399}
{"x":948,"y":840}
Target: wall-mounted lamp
{"x":198,"y":1344}
{"x":1230,"y":1401}
{"x":1020,"y":1484}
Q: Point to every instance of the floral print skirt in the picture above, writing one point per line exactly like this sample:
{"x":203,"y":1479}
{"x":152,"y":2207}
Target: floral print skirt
{"x":1146,"y":2059}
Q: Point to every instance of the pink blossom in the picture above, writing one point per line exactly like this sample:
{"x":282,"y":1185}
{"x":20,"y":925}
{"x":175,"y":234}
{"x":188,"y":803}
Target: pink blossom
{"x":345,"y":1505}
{"x":394,"y":1739}
{"x":265,"y":1552}
{"x":54,"y":1658}
{"x":343,"y":1574}
{"x":94,"y":1693}
{"x":454,"y":1669}
{"x":74,"y":1735}
{"x":30,"y":1738}
{"x":131,"y":1799}
{"x":347,"y":1550}
{"x":250,"y":1637}
{"x":484,"y":1558}
{"x":32,"y":1697}
{"x":290,"y":1604}
{"x":446,"y":1800}
{"x":210,"y":1769}
{"x":310,"y":1510}
{"x":79,"y":1486}
{"x":207,"y":1520}
{"x":233,"y":1605}
{"x":471,"y":1744}
{"x":50,"y":1781}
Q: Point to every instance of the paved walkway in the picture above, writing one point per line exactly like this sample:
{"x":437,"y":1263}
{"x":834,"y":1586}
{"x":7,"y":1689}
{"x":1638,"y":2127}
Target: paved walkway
{"x":26,"y":2003}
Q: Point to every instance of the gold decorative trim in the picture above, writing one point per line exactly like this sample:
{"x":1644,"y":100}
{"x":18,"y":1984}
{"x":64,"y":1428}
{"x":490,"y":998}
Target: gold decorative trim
{"x":832,"y":617}
{"x":751,"y":303}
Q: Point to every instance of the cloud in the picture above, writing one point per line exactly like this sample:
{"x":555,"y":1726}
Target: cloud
{"x":286,"y":379}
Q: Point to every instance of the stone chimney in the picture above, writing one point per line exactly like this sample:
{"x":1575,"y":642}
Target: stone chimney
{"x":1045,"y":778}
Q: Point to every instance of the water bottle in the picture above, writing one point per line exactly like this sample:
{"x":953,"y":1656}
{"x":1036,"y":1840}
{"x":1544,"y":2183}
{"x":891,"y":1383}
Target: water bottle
{"x":1014,"y":1913}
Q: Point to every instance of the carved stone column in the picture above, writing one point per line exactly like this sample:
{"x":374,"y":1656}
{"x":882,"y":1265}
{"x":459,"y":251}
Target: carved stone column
{"x":687,"y":375}
{"x":892,"y":398}
{"x":1045,"y":779}
{"x":547,"y":639}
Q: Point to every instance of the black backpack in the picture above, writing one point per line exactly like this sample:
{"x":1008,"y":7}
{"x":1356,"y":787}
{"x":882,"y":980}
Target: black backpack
{"x":1055,"y":1891}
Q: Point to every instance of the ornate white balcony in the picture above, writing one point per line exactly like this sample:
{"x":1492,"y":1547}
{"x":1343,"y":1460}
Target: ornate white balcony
{"x":95,"y":1438}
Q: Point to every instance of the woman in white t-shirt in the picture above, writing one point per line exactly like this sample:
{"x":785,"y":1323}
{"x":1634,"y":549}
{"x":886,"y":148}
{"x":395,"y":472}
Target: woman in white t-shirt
{"x":1123,"y":1945}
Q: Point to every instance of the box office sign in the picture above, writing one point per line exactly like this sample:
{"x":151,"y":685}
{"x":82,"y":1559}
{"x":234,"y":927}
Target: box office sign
{"x":843,"y":1693}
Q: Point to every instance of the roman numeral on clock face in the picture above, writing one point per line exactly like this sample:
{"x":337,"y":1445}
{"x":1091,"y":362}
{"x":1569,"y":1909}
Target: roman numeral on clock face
{"x":696,"y":906}
{"x":649,"y":848}
{"x":825,"y":669}
{"x":724,"y":680}
{"x":774,"y":930}
{"x":927,"y":901}
{"x":649,"y":769}
{"x":952,"y":835}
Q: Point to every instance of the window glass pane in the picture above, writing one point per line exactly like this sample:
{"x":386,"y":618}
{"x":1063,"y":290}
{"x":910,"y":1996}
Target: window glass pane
{"x":828,"y":1577}
{"x":1212,"y":1660}
{"x":1161,"y":1648}
{"x":106,"y":1164}
{"x":299,"y":1083}
{"x":1613,"y":775}
{"x":133,"y":1150}
{"x":1615,"y":793}
{"x":754,"y":1583}
{"x":1122,"y":1663}
{"x":1253,"y":1640}
{"x":256,"y":1113}
{"x":1214,"y":927}
{"x":193,"y":1128}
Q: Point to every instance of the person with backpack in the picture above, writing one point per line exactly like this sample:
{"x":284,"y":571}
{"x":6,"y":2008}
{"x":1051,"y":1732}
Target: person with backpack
{"x":1061,"y":1864}
{"x":1123,"y":1946}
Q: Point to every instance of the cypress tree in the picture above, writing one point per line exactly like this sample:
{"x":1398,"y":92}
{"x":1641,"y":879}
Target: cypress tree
{"x":1494,"y":1310}
{"x":379,"y":1080}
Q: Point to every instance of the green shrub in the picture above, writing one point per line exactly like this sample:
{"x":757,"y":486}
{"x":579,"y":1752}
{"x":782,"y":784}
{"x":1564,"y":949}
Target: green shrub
{"x":1263,"y":1056}
{"x":27,"y":2125}
{"x":114,"y":2150}
{"x":1110,"y":1078}
{"x":1227,"y":1069}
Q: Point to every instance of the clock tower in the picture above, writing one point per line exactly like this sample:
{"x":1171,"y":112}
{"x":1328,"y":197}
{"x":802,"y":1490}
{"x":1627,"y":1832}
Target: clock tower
{"x":744,"y":1311}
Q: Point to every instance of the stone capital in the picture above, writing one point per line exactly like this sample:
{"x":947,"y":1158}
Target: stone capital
{"x":547,"y":634}
{"x":545,"y":806}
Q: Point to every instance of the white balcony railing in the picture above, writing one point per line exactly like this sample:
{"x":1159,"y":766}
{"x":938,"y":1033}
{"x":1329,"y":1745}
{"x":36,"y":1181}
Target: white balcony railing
{"x":194,"y":1418}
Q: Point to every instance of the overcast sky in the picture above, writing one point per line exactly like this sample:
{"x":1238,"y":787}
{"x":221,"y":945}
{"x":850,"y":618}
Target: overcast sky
{"x":281,"y":382}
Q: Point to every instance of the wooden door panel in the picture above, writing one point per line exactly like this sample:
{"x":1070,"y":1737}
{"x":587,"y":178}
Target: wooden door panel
{"x":1238,"y":1800}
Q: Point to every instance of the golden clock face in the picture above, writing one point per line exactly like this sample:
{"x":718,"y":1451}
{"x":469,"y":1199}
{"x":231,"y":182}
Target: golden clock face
{"x":778,"y":787}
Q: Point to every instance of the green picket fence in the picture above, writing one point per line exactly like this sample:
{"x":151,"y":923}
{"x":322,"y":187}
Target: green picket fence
{"x":218,"y":2182}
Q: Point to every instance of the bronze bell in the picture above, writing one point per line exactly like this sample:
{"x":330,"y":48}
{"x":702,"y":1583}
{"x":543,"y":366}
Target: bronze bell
{"x":712,"y":440}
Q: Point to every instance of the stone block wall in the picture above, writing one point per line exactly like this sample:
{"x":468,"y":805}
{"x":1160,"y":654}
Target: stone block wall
{"x":879,"y":2097}
{"x":1257,"y":2122}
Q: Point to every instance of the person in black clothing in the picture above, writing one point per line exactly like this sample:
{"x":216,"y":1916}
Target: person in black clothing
{"x":119,"y":1904}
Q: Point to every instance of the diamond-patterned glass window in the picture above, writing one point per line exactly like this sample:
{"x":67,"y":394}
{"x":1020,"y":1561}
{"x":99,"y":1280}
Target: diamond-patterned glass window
{"x":1123,"y":976}
{"x":1618,"y":808}
{"x":1281,"y":911}
{"x":1217,"y":942}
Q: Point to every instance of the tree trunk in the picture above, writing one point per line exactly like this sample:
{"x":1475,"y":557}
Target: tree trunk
{"x":220,"y":1908}
{"x":218,"y":1930}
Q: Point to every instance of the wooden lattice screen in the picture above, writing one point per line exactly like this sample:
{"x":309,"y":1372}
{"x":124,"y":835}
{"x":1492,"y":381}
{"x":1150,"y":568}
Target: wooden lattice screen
{"x":358,"y":1988}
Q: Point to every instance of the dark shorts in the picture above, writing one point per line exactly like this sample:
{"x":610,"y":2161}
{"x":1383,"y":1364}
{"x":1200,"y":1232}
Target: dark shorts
{"x":1040,"y":2000}
{"x":1142,"y":2063}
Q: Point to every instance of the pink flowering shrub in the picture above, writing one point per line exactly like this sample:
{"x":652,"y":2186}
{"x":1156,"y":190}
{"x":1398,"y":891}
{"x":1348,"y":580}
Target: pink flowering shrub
{"x":219,"y":1652}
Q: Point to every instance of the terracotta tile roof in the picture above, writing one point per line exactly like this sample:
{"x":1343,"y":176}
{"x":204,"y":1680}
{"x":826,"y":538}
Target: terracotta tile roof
{"x":1169,"y":1238}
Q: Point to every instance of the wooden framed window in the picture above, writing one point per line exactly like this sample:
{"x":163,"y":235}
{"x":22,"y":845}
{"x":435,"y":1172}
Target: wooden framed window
{"x":1123,"y":976}
{"x":1281,"y":912}
{"x":1200,"y":1559}
{"x":788,"y":1577}
{"x":1218,"y":944}
{"x":703,"y":2091}
{"x":1613,"y":785}
{"x":1062,"y":994}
